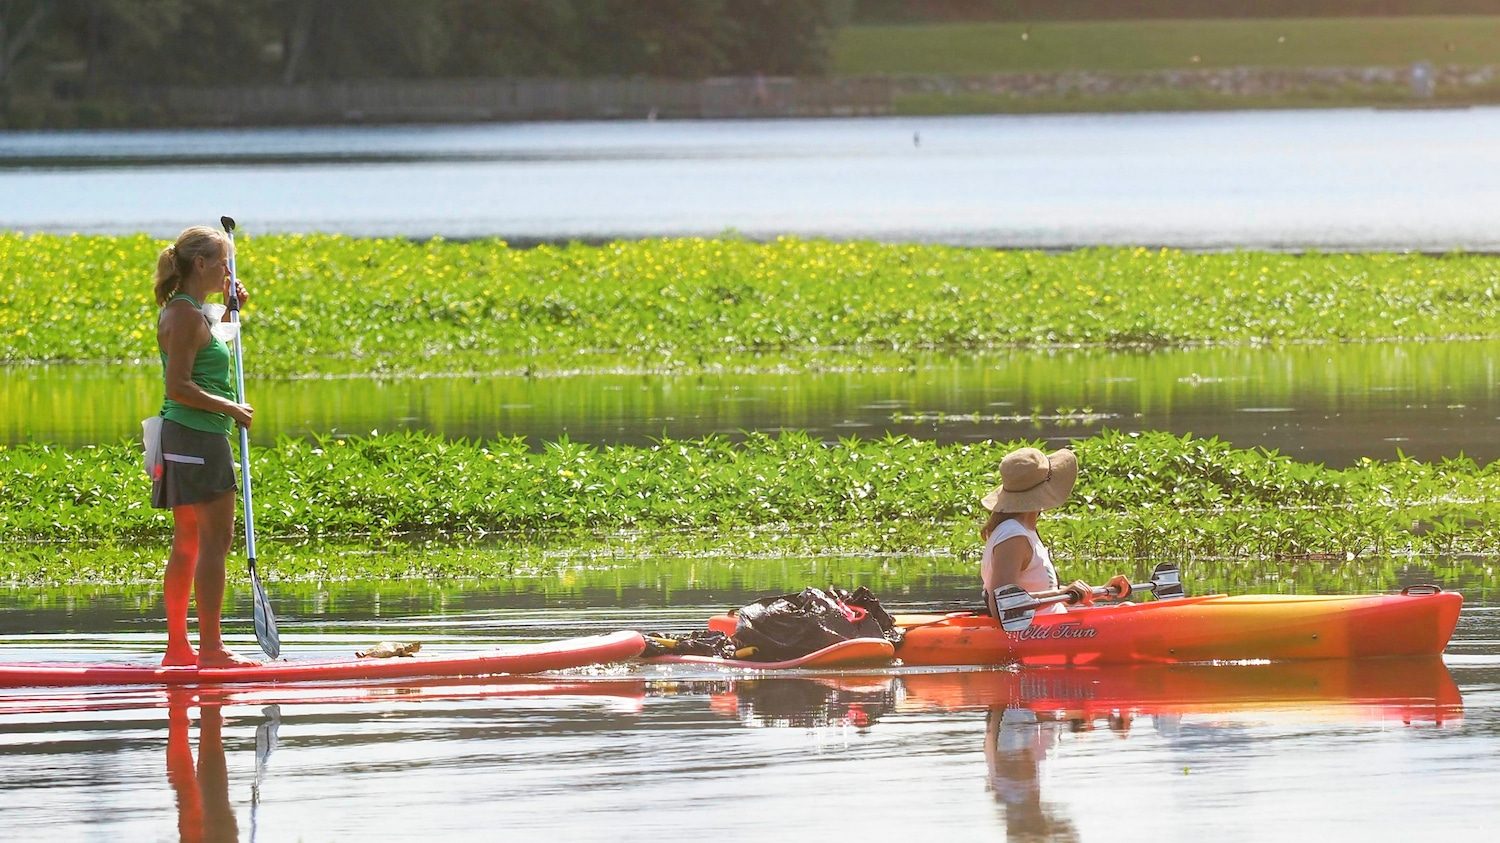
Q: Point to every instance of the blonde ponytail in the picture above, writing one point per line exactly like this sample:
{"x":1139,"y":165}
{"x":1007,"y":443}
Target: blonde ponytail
{"x":176,"y":261}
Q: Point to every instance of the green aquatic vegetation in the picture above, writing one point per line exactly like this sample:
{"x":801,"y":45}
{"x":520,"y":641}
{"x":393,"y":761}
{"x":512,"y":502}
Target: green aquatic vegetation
{"x":324,"y":305}
{"x":1141,"y":497}
{"x":333,"y":579}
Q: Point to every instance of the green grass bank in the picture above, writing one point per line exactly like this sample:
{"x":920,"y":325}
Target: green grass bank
{"x":1136,"y":45}
{"x":324,"y":305}
{"x":418,"y":505}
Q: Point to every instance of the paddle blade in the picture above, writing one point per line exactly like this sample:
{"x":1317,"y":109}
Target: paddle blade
{"x":265,"y":620}
{"x":1166,"y":582}
{"x":228,"y":223}
{"x":1015,"y":608}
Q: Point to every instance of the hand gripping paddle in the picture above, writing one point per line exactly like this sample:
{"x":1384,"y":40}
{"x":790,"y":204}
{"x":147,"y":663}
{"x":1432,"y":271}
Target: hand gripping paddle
{"x":265,"y":620}
{"x":1015,"y":607}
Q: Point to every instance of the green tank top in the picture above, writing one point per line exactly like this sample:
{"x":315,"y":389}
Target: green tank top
{"x":210,"y":371}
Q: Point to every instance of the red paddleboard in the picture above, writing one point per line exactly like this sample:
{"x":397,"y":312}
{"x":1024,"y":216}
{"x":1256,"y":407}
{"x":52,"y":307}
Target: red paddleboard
{"x":856,"y":652}
{"x":525,"y":658}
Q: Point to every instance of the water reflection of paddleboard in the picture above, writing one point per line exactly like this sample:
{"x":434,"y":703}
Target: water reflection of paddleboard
{"x":624,"y":694}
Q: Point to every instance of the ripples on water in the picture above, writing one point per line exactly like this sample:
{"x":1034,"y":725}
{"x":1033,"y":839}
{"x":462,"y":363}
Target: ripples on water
{"x":1381,"y":750}
{"x":1248,"y":752}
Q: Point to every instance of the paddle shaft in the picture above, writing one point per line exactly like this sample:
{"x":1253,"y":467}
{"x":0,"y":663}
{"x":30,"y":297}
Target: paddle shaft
{"x":1164,"y":583}
{"x":1042,"y":598}
{"x":265,"y":619}
{"x":1047,"y":598}
{"x":239,"y":394}
{"x":1014,"y":608}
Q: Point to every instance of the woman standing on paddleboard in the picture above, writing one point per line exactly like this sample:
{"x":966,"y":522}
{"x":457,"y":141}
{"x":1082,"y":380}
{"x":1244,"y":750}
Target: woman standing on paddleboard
{"x":1031,"y":482}
{"x":195,"y":478}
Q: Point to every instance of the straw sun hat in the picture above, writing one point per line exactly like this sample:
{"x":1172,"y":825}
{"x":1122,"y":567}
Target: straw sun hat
{"x":1031,"y":481}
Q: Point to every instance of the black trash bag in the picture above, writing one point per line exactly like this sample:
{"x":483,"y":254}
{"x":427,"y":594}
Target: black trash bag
{"x":865,"y":599}
{"x":700,"y":643}
{"x":790,"y":626}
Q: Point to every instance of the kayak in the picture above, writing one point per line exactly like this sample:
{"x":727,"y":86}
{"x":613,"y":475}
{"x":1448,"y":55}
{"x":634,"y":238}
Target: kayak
{"x":856,"y":652}
{"x":1269,"y":627}
{"x":525,"y":658}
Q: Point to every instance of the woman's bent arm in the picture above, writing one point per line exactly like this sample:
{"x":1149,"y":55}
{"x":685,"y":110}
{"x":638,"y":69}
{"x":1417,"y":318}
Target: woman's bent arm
{"x":181,"y":334}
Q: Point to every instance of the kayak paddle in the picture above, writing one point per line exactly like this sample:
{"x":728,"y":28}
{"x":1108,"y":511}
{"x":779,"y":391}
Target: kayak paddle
{"x":265,"y":620}
{"x":1016,"y":607}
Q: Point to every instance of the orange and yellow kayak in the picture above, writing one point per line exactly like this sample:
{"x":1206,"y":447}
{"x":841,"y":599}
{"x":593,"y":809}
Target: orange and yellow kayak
{"x":1271,"y":627}
{"x":1261,"y":627}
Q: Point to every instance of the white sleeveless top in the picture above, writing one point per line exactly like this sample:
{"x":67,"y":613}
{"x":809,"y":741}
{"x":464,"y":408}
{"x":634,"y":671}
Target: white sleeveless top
{"x":1037,"y":576}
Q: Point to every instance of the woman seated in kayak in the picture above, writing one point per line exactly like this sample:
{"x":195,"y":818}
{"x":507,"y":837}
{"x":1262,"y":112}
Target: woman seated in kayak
{"x":1031,"y":481}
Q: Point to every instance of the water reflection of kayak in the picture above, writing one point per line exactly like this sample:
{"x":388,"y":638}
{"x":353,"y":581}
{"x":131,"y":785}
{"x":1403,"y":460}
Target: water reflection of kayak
{"x":1407,"y":690}
{"x":1271,"y":627}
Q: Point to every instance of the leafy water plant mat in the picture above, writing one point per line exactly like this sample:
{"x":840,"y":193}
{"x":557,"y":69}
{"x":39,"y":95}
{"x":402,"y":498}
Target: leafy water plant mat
{"x":420,"y":505}
{"x":324,"y":305}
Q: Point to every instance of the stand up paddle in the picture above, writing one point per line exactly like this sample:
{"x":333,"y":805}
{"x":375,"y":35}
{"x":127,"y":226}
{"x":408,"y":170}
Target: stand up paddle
{"x":265,"y":744}
{"x":1015,"y":607}
{"x":265,"y":620}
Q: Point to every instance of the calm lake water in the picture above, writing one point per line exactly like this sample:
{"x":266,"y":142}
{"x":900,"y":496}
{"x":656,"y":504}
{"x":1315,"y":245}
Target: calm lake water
{"x":1379,"y":750}
{"x":1328,"y":403}
{"x":1335,"y":179}
{"x":1241,"y":752}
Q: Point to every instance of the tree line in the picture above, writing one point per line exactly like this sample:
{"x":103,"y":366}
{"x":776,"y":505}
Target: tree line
{"x":78,"y":47}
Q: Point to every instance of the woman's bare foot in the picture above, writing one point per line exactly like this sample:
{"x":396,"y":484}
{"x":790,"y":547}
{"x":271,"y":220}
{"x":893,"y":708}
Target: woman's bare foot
{"x":224,"y":657}
{"x":180,"y":656}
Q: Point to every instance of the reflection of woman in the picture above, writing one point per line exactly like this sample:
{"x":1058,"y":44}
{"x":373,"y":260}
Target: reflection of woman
{"x":203,"y":809}
{"x":1031,"y":481}
{"x":1016,"y":743}
{"x":197,"y":472}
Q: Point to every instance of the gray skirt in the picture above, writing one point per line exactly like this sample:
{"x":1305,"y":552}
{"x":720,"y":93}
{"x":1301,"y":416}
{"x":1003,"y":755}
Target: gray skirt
{"x":196,"y":467}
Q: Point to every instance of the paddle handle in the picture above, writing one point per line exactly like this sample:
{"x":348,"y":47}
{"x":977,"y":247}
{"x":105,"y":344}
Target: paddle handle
{"x":1069,"y":596}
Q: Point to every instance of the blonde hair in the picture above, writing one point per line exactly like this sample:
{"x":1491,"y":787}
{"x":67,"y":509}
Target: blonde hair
{"x":994,"y":521}
{"x":175,"y":262}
